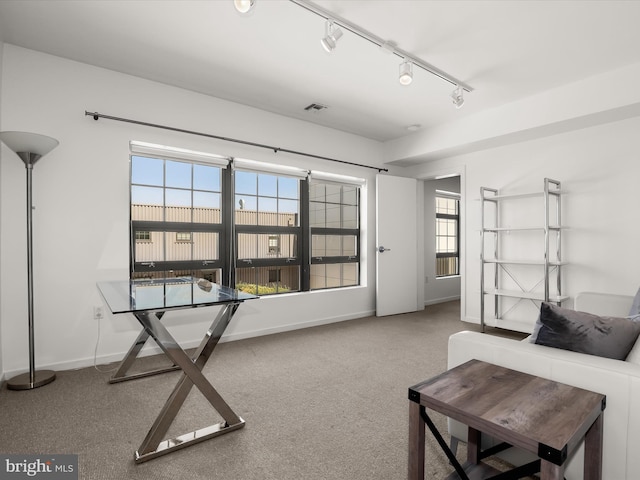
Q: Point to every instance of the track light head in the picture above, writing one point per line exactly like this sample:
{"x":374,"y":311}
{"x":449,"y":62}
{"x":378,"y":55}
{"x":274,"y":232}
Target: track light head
{"x":244,"y":6}
{"x":406,"y":73}
{"x":332,"y":35}
{"x":458,"y":97}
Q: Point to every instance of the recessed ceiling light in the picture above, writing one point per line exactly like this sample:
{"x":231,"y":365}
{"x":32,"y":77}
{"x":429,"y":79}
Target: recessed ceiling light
{"x":244,"y":6}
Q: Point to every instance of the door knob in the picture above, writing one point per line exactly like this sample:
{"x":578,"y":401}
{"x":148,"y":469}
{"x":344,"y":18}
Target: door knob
{"x":381,"y":249}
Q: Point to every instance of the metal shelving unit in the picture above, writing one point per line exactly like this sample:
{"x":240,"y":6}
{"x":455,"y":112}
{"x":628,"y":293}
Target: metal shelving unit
{"x":504,"y":269}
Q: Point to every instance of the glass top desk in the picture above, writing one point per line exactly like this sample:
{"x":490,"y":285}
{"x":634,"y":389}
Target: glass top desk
{"x":148,"y":301}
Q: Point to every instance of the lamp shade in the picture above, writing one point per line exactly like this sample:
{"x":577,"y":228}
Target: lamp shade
{"x":25,"y":142}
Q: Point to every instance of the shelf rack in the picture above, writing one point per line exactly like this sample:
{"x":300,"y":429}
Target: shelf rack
{"x":551,"y":261}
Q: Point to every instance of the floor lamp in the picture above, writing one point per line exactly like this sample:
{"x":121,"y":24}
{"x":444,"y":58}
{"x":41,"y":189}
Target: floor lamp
{"x":30,"y":147}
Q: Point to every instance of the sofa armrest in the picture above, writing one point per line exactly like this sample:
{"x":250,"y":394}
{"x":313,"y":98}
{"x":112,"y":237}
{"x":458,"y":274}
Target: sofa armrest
{"x":616,"y":379}
{"x":603,"y":304}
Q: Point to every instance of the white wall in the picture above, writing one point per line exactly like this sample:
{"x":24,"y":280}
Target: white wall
{"x":82,"y":200}
{"x":436,"y":290}
{"x":599,"y":169}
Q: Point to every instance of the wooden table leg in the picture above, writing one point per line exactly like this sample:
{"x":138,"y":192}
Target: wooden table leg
{"x":416,"y":442}
{"x":551,"y":471}
{"x":593,"y":451}
{"x":473,"y":446}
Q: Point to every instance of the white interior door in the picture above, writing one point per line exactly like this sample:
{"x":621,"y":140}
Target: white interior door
{"x":396,"y":245}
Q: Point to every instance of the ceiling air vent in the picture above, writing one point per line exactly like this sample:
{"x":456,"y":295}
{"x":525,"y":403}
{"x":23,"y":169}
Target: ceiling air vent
{"x":315,"y":107}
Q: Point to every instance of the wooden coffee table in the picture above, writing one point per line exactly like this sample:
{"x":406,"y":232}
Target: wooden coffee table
{"x":544,"y":417}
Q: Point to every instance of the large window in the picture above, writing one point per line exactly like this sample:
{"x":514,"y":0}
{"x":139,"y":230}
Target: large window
{"x":447,"y":239}
{"x":266,"y":231}
{"x":175,"y":218}
{"x":334,"y":219}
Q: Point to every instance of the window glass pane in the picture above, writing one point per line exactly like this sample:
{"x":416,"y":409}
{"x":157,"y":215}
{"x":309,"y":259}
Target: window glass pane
{"x":334,"y":246}
{"x":350,"y":274}
{"x":288,"y":187}
{"x":349,"y":245}
{"x":288,"y":213}
{"x":177,"y":250}
{"x":206,"y":200}
{"x":152,"y":250}
{"x":333,"y":193}
{"x":189,"y":246}
{"x":206,"y":207}
{"x":318,"y":246}
{"x":178,"y":174}
{"x":447,"y":235}
{"x":267,"y":211}
{"x":316,"y":192}
{"x":212,"y":274}
{"x":334,"y":275}
{"x":266,"y":245}
{"x":267,"y":185}
{"x":206,"y":246}
{"x":146,"y":204}
{"x":349,"y":216}
{"x":207,"y":178}
{"x":350,"y":195}
{"x":333,"y":215}
{"x":246,"y":182}
{"x":318,"y":277}
{"x":256,"y":280}
{"x":246,"y":210}
{"x":267,"y":204}
{"x":147,"y":195}
{"x":317,"y":214}
{"x":178,"y":198}
{"x":147,"y":171}
{"x":247,"y":246}
{"x":178,"y":207}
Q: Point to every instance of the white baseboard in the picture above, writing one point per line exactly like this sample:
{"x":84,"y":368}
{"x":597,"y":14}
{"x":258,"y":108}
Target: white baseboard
{"x":155,"y":350}
{"x":295,"y":326}
{"x":441,"y":300}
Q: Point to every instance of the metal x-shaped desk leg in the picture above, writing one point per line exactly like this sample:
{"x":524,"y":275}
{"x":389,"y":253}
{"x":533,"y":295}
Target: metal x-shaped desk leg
{"x":121,"y":374}
{"x":154,"y":444}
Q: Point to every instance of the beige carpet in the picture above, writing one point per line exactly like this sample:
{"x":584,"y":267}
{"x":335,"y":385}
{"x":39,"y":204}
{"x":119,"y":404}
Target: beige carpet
{"x":321,"y":403}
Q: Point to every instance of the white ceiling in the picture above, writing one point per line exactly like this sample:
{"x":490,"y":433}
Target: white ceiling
{"x":272,"y":59}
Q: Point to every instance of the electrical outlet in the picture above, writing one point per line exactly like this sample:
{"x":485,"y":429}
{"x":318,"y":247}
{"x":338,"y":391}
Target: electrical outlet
{"x":98,"y":313}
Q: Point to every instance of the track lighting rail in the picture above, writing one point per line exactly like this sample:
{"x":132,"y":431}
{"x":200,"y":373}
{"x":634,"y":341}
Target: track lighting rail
{"x":370,"y":37}
{"x":97,"y":116}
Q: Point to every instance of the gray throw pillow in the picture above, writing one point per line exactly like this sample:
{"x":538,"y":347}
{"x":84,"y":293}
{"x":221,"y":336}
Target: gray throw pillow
{"x":611,"y":337}
{"x":635,"y":307}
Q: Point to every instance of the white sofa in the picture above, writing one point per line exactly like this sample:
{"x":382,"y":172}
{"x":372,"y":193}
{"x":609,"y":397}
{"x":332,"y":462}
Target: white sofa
{"x":618,"y":380}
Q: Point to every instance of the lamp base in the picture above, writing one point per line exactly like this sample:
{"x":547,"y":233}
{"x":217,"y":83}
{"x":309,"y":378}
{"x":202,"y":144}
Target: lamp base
{"x":23,"y":381}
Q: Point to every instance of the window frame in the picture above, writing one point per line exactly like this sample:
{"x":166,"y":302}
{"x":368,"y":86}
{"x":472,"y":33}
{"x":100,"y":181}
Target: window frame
{"x":296,"y":231}
{"x":338,"y":231}
{"x":154,"y":268}
{"x":448,"y":216}
{"x":227,"y":264}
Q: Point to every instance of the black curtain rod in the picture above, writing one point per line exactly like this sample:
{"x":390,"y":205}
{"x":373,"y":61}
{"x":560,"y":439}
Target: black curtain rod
{"x":97,"y":115}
